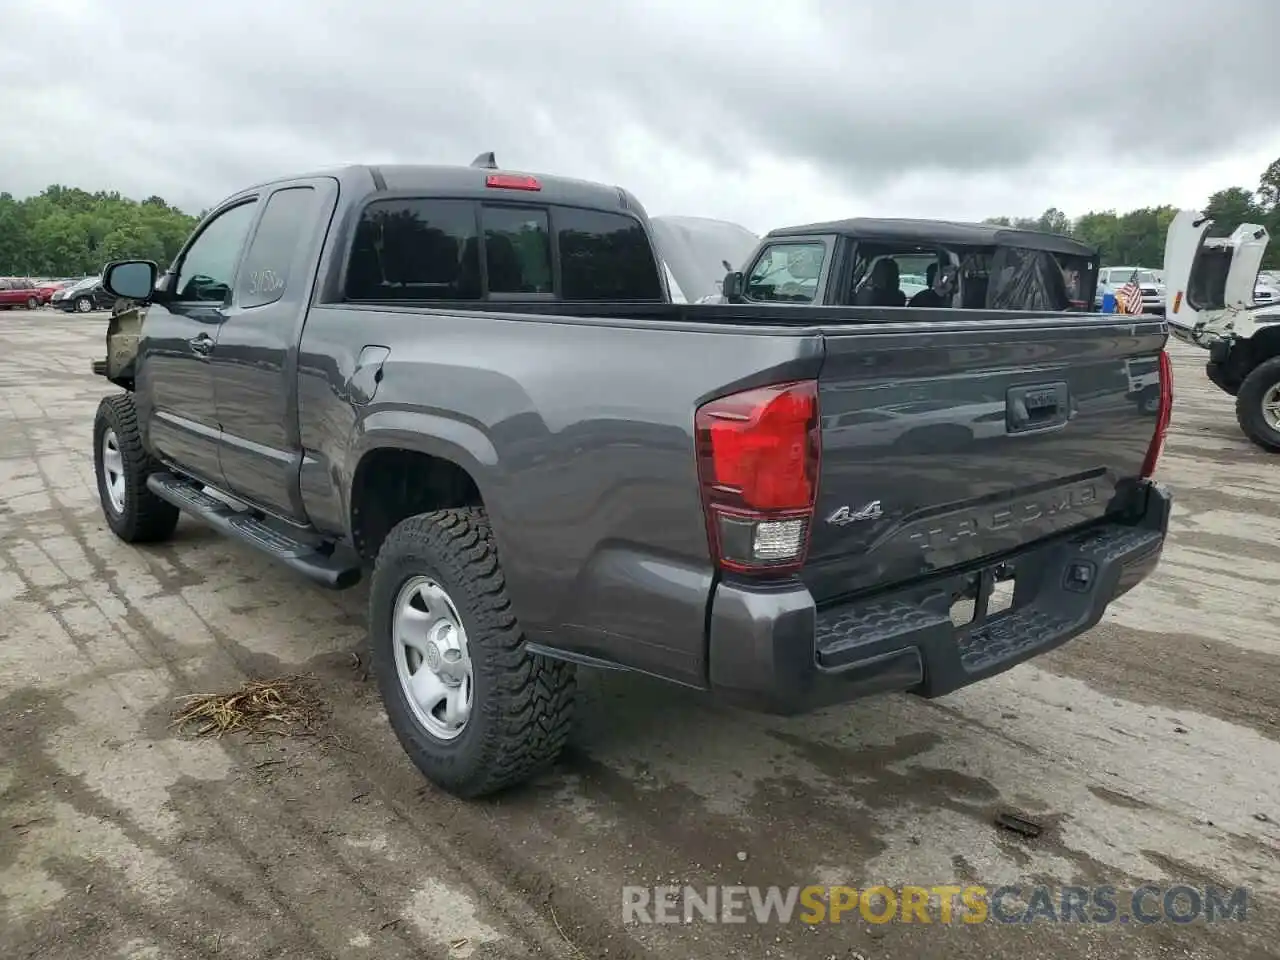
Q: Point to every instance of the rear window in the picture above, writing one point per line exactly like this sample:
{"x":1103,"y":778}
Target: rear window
{"x":605,"y":256}
{"x":1207,"y":285}
{"x":425,"y":249}
{"x":517,"y":250}
{"x":415,"y":250}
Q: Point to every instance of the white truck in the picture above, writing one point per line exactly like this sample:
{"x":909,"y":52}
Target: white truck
{"x":1210,"y":302}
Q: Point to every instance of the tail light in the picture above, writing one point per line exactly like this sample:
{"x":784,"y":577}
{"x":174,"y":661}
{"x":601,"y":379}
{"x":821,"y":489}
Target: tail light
{"x":1163,"y":416}
{"x":758,"y":457}
{"x":512,"y":181}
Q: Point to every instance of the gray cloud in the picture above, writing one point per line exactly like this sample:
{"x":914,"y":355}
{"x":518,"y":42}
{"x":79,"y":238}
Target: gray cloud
{"x":195,"y":102}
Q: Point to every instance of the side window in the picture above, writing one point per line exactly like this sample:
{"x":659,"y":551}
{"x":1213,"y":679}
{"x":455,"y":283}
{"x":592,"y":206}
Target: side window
{"x":415,"y":249}
{"x":605,"y":256}
{"x":517,"y":249}
{"x":209,"y":265}
{"x":787,"y":272}
{"x":265,"y":273}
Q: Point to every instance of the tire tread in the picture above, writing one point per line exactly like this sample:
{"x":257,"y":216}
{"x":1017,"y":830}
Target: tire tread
{"x":1249,"y":405}
{"x":529,"y":706}
{"x":146,"y":518}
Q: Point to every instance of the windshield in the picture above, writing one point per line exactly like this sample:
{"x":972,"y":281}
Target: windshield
{"x":1121,"y":275}
{"x":695,"y":251}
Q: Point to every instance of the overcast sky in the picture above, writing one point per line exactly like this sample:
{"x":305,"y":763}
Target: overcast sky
{"x":763,"y":113}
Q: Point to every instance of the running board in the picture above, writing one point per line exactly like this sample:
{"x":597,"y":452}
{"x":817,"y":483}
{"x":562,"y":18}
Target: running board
{"x":327,"y":563}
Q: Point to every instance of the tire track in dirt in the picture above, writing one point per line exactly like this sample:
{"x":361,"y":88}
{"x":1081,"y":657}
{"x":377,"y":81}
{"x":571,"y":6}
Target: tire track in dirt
{"x":156,"y":652}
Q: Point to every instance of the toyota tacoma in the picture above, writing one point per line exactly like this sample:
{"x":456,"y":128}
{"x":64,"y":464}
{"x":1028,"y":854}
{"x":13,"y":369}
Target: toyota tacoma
{"x":470,"y":387}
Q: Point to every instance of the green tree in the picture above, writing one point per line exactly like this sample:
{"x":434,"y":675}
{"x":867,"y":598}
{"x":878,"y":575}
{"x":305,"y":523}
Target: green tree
{"x":1138,"y":236}
{"x":1231,"y":207}
{"x":1268,"y":194}
{"x":66,"y":231}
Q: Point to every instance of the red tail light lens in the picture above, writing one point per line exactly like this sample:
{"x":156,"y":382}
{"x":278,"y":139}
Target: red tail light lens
{"x":1163,"y":416}
{"x":758,"y":459}
{"x":511,"y":181}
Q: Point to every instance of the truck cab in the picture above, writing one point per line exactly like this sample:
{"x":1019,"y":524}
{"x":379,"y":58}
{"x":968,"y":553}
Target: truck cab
{"x":933,"y":263}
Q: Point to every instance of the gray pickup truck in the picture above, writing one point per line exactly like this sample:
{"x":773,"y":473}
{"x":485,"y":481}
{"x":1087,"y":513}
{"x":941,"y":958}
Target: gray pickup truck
{"x":469,"y":386}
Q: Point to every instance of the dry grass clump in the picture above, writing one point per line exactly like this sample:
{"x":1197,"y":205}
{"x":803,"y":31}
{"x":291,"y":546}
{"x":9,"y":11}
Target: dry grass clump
{"x":285,"y":706}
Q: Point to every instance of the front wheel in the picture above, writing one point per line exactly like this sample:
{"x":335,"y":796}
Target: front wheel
{"x":33,"y":303}
{"x":122,"y":466}
{"x":1258,"y":405}
{"x":475,"y":711}
{"x":84,"y":304}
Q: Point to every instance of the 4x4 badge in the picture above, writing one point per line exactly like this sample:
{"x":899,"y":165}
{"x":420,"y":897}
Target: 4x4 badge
{"x":844,"y":515}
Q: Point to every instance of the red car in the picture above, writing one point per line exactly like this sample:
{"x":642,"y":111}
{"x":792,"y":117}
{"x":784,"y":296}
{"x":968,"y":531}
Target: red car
{"x":19,"y":292}
{"x":47,"y":288}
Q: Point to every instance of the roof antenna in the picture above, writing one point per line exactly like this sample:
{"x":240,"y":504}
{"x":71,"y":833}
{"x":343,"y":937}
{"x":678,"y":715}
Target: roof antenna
{"x":485,"y":161}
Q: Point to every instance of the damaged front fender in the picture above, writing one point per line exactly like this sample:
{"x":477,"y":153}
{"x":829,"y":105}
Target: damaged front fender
{"x":123,"y":330}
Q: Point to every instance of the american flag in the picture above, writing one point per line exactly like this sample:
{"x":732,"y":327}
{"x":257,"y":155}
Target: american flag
{"x":1130,"y":295}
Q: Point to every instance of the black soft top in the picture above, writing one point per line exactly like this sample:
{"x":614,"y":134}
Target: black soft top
{"x":946,"y":232}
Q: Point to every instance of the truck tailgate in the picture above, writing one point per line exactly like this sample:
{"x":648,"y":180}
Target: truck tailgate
{"x":946,"y":443}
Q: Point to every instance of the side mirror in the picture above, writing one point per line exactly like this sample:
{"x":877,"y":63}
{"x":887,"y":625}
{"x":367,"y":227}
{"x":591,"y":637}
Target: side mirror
{"x":131,"y":279}
{"x":733,"y":285}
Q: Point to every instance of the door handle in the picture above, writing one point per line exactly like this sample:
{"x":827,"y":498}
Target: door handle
{"x":201,"y":344}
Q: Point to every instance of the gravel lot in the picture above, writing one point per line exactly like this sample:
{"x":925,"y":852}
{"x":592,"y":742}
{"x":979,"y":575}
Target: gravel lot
{"x":1147,"y":749}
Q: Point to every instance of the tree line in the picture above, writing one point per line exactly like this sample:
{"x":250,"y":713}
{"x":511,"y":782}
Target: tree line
{"x":1137,"y":238}
{"x":69,"y":232}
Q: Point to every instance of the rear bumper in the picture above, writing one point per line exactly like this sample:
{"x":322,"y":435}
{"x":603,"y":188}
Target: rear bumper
{"x":772,"y":650}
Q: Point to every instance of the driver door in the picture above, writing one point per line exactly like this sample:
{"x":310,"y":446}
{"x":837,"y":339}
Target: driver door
{"x":174,"y":380}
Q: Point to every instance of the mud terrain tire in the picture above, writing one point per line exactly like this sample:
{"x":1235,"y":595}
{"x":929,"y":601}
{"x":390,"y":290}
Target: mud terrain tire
{"x":134,"y":513}
{"x":1260,"y":388}
{"x":522,"y":705}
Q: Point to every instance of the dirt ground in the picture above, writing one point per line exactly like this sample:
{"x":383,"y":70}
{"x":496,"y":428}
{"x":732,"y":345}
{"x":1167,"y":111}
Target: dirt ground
{"x":1147,"y":749}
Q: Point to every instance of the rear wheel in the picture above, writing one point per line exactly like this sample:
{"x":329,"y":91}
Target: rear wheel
{"x":84,"y":304}
{"x":475,"y":711}
{"x":122,"y":466}
{"x":1258,"y":405}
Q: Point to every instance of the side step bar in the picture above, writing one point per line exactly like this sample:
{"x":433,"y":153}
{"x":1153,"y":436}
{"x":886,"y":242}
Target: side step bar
{"x":326,"y":563}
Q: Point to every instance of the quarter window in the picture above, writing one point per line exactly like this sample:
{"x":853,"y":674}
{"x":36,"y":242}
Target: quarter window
{"x":605,"y":256}
{"x":787,"y":272}
{"x":517,"y":250}
{"x":209,"y":265}
{"x":265,"y":274}
{"x":415,"y":249}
